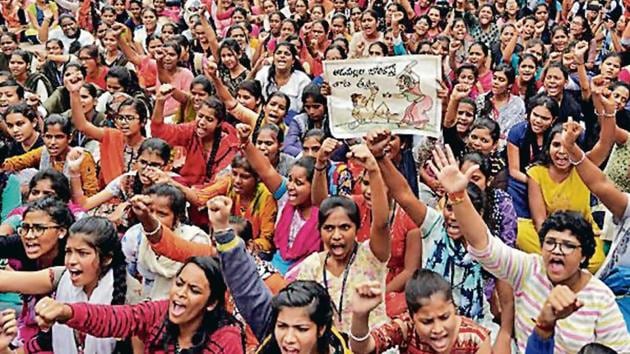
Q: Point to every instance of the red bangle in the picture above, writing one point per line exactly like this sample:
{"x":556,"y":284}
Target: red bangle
{"x":548,"y":328}
{"x":456,"y":197}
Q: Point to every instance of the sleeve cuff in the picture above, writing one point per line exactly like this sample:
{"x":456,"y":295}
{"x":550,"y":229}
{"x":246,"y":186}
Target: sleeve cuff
{"x":226,"y":240}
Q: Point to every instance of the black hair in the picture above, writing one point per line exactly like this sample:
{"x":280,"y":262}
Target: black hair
{"x":485,"y":167}
{"x":544,"y":158}
{"x":253,"y":87}
{"x":75,"y":65}
{"x":381,"y":45}
{"x":467,"y":66}
{"x":91,"y":50}
{"x":314,"y":298}
{"x":489,"y":124}
{"x":58,"y":180}
{"x":208,"y":86}
{"x":176,"y":198}
{"x":220,"y":114}
{"x":231,"y":45}
{"x":275,"y":129}
{"x":127,"y":79}
{"x":242,"y":227}
{"x":138,"y":105}
{"x":342,"y":51}
{"x":24,"y":109}
{"x":488,"y":106}
{"x":297,"y":65}
{"x":101,"y":234}
{"x":596,"y":348}
{"x":423,"y":284}
{"x":240,"y":161}
{"x":63,"y":121}
{"x":329,"y":205}
{"x":261,"y":116}
{"x":556,"y":65}
{"x":61,"y":215}
{"x":577,"y":225}
{"x":26,"y":56}
{"x":160,"y":147}
{"x":531,"y":88}
{"x":212,"y":320}
{"x":307,"y":163}
{"x":318,"y":134}
{"x":19,"y":89}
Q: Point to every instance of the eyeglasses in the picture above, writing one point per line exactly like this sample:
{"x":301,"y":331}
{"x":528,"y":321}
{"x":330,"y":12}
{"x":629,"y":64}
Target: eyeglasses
{"x":566,"y":248}
{"x":126,"y":118}
{"x":145,"y":163}
{"x":38,"y":230}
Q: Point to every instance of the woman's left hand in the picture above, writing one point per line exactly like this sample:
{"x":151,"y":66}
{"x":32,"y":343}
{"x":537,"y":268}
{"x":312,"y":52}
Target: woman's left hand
{"x":219,"y":209}
{"x":8,"y":328}
{"x":446,"y":168}
{"x":362,"y":155}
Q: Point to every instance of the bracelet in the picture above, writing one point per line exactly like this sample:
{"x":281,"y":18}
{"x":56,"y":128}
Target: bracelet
{"x":456,"y":197}
{"x":75,"y":175}
{"x":321,"y":169}
{"x":606,"y":115}
{"x":575,"y":163}
{"x":359,"y":339}
{"x":154,"y":232}
{"x":547,"y":328}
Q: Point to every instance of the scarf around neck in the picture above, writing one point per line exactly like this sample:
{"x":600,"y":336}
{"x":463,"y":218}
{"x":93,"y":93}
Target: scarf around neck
{"x":306,"y":241}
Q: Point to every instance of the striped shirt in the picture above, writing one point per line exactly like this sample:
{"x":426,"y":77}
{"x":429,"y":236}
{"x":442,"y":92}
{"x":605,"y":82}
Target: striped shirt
{"x":599,"y":320}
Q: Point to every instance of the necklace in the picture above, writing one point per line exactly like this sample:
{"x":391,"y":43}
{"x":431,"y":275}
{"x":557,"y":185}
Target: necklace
{"x":346,"y":270}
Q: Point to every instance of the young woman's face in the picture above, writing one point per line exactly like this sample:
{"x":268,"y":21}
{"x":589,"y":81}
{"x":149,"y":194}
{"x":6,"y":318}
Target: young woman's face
{"x":368,"y":24}
{"x":541,"y":14}
{"x":507,"y":34}
{"x":269,"y":7}
{"x":527,"y":69}
{"x":434,"y":15}
{"x":148,"y":161}
{"x":110,"y":42}
{"x":562,"y":255}
{"x":275,"y":24}
{"x":20,"y":127}
{"x":338,"y":233}
{"x":168,"y":32}
{"x":8,"y":96}
{"x":476,"y":56}
{"x":170,"y":58}
{"x":286,"y":29}
{"x":243,"y":181}
{"x":436,"y":322}
{"x":276,"y":110}
{"x":459,"y":31}
{"x":317,"y":13}
{"x":298,"y":186}
{"x":481,"y":141}
{"x":8,"y":45}
{"x":238,"y":18}
{"x":267,"y":143}
{"x":248,"y":100}
{"x":300,"y":8}
{"x":485,"y":15}
{"x":500,"y":83}
{"x":239,"y":35}
{"x":620,"y":95}
{"x":421,"y":27}
{"x":82,"y":262}
{"x":53,"y":48}
{"x":467,"y":77}
{"x":540,"y":120}
{"x":42,"y":189}
{"x":149,"y":20}
{"x":189,"y":295}
{"x":311,"y":146}
{"x":610,"y":68}
{"x":295,"y":332}
{"x":89,"y":63}
{"x":43,"y":234}
{"x":198,"y":94}
{"x":17,"y":66}
{"x":119,"y":6}
{"x":229,"y":58}
{"x":128,"y":121}
{"x":108,"y":17}
{"x":450,"y":222}
{"x":558,"y":154}
{"x":318,"y":32}
{"x":576,"y":27}
{"x":338,"y":27}
{"x":465,"y":117}
{"x":154,"y":46}
{"x":314,"y":110}
{"x":283,"y":58}
{"x":207,"y":122}
{"x":135,"y":10}
{"x":56,"y":141}
{"x":162,"y":209}
{"x":559,"y":41}
{"x":554,"y":82}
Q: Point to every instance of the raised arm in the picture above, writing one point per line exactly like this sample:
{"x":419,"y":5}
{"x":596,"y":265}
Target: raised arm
{"x":378,"y":141}
{"x":579,"y":53}
{"x":268,"y":175}
{"x":73,"y":85}
{"x":240,"y":112}
{"x":460,"y":91}
{"x":455,"y":182}
{"x":615,"y":200}
{"x":605,"y":110}
{"x":45,"y":27}
{"x":211,"y":35}
{"x":74,"y":161}
{"x":251,"y":295}
{"x":380,"y":242}
{"x":123,"y":43}
{"x":319,"y":187}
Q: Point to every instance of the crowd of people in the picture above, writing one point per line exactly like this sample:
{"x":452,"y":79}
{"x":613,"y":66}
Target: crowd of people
{"x":170,"y":183}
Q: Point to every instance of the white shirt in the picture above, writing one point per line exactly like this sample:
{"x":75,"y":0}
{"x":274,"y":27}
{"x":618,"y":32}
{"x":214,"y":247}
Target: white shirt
{"x":85,"y":38}
{"x":293,"y":88}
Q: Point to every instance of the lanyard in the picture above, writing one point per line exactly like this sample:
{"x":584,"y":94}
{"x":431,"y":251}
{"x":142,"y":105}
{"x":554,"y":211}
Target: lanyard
{"x":346,"y":270}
